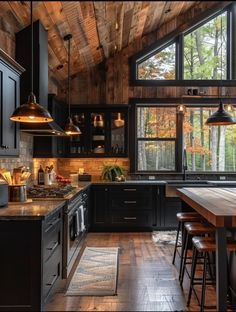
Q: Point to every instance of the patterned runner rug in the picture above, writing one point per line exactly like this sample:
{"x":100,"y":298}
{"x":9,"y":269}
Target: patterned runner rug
{"x":96,"y":273}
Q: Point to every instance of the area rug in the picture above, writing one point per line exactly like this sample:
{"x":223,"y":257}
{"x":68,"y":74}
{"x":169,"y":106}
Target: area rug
{"x":165,"y":237}
{"x":96,"y":273}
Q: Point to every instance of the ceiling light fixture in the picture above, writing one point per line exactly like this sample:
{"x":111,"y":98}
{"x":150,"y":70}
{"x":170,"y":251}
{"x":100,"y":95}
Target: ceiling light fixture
{"x":70,"y":127}
{"x":31,"y":112}
{"x":181,"y":108}
{"x":221,"y":117}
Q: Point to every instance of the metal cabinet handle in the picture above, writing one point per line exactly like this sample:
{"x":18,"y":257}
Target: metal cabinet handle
{"x":106,"y":189}
{"x":54,"y":246}
{"x":129,"y":190}
{"x":4,"y":147}
{"x":130,"y":218}
{"x":130,"y":201}
{"x":53,"y":281}
{"x":51,"y":224}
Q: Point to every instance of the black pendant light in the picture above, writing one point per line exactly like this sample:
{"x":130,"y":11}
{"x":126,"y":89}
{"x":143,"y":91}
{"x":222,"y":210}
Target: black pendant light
{"x":221,"y":117}
{"x":70,"y":127}
{"x":31,"y":112}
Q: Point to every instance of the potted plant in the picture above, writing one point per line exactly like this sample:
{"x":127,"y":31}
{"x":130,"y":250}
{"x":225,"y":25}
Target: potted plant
{"x":110,"y":172}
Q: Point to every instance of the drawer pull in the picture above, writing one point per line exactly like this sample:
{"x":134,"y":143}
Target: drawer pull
{"x":51,"y":224}
{"x":130,"y":201}
{"x":53,"y":247}
{"x":130,"y":218}
{"x":129,"y":190}
{"x":53,"y":281}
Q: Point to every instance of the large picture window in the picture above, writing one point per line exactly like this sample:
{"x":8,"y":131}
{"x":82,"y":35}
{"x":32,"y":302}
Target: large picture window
{"x":203,"y":55}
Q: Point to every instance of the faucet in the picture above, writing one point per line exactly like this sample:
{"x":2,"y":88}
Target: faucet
{"x":185,"y":164}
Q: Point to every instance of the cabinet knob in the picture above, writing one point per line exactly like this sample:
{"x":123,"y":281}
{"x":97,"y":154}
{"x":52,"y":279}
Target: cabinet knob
{"x":106,"y":189}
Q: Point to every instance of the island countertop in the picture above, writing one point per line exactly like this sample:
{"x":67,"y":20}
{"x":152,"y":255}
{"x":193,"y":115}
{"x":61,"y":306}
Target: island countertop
{"x":217,"y":206}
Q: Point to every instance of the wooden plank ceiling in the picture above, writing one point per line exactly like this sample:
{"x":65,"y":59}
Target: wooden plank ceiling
{"x":99,"y":28}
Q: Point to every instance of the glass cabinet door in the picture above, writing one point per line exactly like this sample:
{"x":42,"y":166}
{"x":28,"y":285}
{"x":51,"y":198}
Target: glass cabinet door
{"x":78,"y":142}
{"x":118,"y":126}
{"x":98,"y":133}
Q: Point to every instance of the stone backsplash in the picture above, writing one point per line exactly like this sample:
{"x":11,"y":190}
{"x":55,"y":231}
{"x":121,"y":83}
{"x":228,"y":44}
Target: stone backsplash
{"x":25,"y":154}
{"x":92,"y":166}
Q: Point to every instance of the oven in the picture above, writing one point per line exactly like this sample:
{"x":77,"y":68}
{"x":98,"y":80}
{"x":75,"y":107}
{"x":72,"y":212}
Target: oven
{"x":75,"y":222}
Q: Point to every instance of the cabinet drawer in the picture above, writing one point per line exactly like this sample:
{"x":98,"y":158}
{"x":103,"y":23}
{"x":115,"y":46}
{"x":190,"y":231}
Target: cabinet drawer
{"x":52,"y":222}
{"x":51,"y":276}
{"x":132,"y":202}
{"x":130,"y":191}
{"x":52,"y":241}
{"x":135,"y":218}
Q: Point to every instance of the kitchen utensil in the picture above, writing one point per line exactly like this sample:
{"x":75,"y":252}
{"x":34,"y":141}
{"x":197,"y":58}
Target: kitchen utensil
{"x":7,"y":177}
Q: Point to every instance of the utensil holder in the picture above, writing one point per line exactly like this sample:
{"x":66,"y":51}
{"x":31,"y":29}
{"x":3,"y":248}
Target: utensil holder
{"x":17,"y":193}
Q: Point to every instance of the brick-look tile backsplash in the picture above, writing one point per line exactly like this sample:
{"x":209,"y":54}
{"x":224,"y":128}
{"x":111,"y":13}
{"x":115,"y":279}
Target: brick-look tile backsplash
{"x":93,"y":166}
{"x":25,"y":155}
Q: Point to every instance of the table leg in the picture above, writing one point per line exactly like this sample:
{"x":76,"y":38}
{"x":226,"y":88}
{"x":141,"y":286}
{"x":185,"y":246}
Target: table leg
{"x":221,"y":269}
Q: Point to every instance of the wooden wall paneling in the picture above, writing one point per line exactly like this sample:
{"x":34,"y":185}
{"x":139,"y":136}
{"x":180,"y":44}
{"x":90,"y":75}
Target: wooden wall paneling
{"x":110,"y":81}
{"x":135,"y":19}
{"x":157,"y":8}
{"x":127,"y":21}
{"x":120,"y":7}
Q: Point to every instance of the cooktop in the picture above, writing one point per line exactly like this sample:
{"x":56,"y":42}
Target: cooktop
{"x":39,"y":191}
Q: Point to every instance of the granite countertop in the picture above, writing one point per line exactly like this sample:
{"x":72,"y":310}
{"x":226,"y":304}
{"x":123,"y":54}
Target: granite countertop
{"x":35,"y":210}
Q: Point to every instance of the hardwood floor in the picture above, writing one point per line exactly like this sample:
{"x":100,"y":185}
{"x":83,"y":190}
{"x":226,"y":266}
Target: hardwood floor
{"x":147,"y":279}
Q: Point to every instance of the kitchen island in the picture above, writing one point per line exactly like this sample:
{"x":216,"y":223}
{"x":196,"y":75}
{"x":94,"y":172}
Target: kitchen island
{"x":217,"y":206}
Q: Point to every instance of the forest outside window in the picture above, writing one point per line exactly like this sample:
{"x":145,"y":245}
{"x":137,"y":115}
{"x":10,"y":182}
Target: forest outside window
{"x":156,"y":138}
{"x":208,"y":148}
{"x":202,"y":55}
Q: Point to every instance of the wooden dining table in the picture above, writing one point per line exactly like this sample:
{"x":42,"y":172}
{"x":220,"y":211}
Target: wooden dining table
{"x":218,"y":207}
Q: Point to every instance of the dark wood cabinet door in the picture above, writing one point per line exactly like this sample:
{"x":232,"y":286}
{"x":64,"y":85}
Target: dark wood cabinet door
{"x":9,"y":100}
{"x":100,"y":215}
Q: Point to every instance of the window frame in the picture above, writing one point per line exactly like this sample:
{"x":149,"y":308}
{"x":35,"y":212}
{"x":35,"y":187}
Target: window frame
{"x":177,"y":37}
{"x":168,"y":102}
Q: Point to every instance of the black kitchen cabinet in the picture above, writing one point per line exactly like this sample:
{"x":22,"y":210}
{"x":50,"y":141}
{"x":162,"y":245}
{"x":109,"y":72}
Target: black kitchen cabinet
{"x":10,"y":72}
{"x":52,"y":146}
{"x":100,"y":212}
{"x":30,"y":262}
{"x":125,"y":207}
{"x":104,"y":131}
{"x":170,"y":208}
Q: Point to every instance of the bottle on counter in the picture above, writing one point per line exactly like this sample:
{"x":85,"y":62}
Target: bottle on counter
{"x":40,"y":176}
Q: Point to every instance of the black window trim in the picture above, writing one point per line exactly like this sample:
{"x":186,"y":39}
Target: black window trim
{"x":167,"y":102}
{"x":177,"y":38}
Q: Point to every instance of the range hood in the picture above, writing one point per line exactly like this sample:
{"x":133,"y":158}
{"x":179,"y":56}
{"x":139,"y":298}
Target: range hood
{"x":40,"y":78}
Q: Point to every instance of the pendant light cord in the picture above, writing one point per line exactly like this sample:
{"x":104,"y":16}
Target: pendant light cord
{"x":32,"y":46}
{"x":69,"y":75}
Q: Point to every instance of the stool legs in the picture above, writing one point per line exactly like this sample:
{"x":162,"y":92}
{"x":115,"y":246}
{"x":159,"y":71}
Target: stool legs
{"x":176,"y":242}
{"x":193,"y":270}
{"x":184,"y":259}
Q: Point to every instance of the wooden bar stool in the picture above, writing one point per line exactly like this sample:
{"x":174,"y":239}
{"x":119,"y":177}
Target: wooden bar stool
{"x":192,"y":229}
{"x":204,"y":246}
{"x":183,"y":217}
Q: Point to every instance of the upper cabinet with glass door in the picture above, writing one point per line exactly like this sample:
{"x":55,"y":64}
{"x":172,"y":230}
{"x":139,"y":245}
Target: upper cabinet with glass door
{"x":104,"y":131}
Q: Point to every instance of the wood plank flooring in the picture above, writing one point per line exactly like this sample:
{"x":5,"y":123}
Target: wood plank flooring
{"x":147,"y":279}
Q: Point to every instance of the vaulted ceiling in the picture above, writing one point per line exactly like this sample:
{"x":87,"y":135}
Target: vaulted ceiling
{"x":99,"y":28}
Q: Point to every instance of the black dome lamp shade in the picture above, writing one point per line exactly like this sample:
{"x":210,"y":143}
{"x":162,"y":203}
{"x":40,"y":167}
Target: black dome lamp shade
{"x":70,"y":127}
{"x":31,"y":112}
{"x":221,"y":117}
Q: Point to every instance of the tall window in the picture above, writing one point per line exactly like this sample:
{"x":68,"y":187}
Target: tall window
{"x":208,"y":148}
{"x":156,"y":138}
{"x":202,"y":50}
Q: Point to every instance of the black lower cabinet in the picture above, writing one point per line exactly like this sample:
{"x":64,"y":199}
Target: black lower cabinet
{"x":171,"y":207}
{"x":124,"y":207}
{"x":30,"y":262}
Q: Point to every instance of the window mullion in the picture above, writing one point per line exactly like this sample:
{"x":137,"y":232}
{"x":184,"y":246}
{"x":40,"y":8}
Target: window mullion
{"x":179,"y":57}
